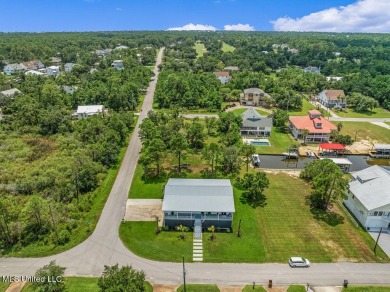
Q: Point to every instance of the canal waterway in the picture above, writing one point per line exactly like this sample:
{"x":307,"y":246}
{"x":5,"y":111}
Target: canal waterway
{"x":359,"y":162}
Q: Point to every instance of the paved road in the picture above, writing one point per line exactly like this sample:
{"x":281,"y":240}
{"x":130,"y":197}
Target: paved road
{"x":104,"y":247}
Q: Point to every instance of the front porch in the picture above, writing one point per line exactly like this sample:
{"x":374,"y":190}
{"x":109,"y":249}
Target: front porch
{"x":218,"y":220}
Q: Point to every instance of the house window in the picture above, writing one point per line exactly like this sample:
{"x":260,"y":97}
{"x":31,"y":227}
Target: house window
{"x":380,"y":213}
{"x":376,"y":213}
{"x":353,"y":196}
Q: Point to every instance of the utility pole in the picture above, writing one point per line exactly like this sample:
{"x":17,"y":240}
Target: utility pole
{"x":54,"y":223}
{"x":376,"y":243}
{"x":184,"y":276}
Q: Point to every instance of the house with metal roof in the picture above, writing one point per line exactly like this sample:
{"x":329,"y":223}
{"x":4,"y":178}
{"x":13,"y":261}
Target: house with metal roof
{"x":13,"y":68}
{"x":369,"y":197}
{"x":10,"y":92}
{"x":84,"y":111}
{"x":381,"y":151}
{"x":198,"y":203}
{"x":255,"y":125}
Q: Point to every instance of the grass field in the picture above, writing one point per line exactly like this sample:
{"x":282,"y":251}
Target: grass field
{"x":376,"y":113}
{"x":366,"y":289}
{"x":306,"y":106}
{"x":279,"y":143}
{"x":198,"y":288}
{"x":285,"y":226}
{"x":82,"y":284}
{"x":366,"y":131}
{"x":200,"y":49}
{"x":141,"y":239}
{"x":249,"y":288}
{"x":296,"y":288}
{"x":227,"y":48}
{"x":3,"y":286}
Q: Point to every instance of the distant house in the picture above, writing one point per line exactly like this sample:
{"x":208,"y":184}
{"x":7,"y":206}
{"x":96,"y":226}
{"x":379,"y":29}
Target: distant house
{"x":33,"y":65}
{"x":53,"y":71}
{"x":231,"y":68}
{"x":319,"y":128}
{"x":253,"y":124}
{"x":93,"y":70}
{"x":336,"y":54}
{"x":254,"y":96}
{"x":333,"y":98}
{"x":198,"y":203}
{"x":55,"y":60}
{"x":369,"y":197}
{"x":312,"y":69}
{"x":33,"y":73}
{"x":10,"y":92}
{"x":224,"y":77}
{"x":118,"y":65}
{"x":84,"y":111}
{"x":13,"y":68}
{"x":68,"y":89}
{"x":68,"y":67}
{"x":333,"y":78}
{"x":293,"y":51}
{"x":103,"y":53}
{"x":121,"y":47}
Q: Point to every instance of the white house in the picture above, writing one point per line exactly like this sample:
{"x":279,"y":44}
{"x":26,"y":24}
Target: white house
{"x":84,"y":111}
{"x":224,"y":77}
{"x":255,"y":125}
{"x":118,"y":65}
{"x":333,"y":78}
{"x":34,"y":73}
{"x":13,"y":68}
{"x":68,"y":67}
{"x":369,"y":197}
{"x":10,"y":92}
{"x":121,"y":47}
{"x":53,"y":71}
{"x":198,"y":203}
{"x":333,"y":98}
{"x":312,"y":69}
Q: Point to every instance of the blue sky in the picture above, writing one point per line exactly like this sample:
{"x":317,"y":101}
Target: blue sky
{"x":97,"y":15}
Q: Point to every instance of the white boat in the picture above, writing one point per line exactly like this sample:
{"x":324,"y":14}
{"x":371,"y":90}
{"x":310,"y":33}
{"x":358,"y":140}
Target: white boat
{"x":310,"y":154}
{"x":290,"y":154}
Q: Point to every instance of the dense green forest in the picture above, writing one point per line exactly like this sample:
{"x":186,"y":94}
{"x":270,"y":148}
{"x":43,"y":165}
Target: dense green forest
{"x":52,"y":165}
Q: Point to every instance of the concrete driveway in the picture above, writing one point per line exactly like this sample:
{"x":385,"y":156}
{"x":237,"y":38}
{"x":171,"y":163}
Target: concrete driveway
{"x":384,"y":240}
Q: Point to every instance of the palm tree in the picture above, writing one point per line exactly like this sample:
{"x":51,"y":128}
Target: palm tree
{"x":182,"y":229}
{"x":339,"y":126}
{"x":212,"y":230}
{"x":305,"y":133}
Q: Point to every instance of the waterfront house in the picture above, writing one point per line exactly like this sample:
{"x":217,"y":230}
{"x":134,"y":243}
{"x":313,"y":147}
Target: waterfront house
{"x":255,"y":125}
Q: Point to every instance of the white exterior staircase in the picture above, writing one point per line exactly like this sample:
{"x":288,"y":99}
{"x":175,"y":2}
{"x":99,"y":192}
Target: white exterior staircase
{"x":197,"y":253}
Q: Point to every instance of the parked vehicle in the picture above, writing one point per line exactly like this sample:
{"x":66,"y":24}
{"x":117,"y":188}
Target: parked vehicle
{"x":298,"y":262}
{"x":256,"y":160}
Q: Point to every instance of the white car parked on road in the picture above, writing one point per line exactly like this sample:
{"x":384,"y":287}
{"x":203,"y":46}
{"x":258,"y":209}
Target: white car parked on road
{"x":299,"y":262}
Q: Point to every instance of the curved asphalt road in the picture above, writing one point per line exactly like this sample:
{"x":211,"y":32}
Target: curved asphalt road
{"x":104,"y":247}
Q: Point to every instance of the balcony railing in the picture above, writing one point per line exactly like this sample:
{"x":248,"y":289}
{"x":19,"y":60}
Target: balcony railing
{"x":203,"y":217}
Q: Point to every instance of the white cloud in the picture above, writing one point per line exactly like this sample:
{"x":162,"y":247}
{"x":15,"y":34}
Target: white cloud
{"x":239,"y":27}
{"x":192,"y":26}
{"x":361,"y":16}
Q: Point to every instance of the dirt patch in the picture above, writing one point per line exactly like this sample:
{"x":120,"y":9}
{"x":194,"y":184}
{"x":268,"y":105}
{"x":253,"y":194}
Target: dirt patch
{"x":16,"y":286}
{"x":230,"y":289}
{"x":292,"y":173}
{"x":361,"y":147}
{"x":143,"y":210}
{"x":164,"y":288}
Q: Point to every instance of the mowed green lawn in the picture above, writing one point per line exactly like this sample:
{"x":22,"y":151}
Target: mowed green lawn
{"x":199,"y":288}
{"x":366,"y":131}
{"x":83,"y":284}
{"x":366,"y":289}
{"x":200,"y":49}
{"x":3,"y":285}
{"x":240,"y":111}
{"x":283,"y":228}
{"x":227,"y":48}
{"x":306,"y":106}
{"x":376,"y":113}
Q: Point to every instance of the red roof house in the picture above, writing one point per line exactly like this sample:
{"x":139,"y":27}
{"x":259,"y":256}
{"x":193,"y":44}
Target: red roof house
{"x":319,"y":128}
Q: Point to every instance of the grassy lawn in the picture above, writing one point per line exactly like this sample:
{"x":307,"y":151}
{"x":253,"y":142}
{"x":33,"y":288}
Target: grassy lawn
{"x":279,"y":143}
{"x":151,"y":189}
{"x":296,"y":288}
{"x":284,"y":227}
{"x":200,"y":49}
{"x":249,"y":288}
{"x":376,"y":113}
{"x":366,"y":289}
{"x":3,"y":286}
{"x":306,"y":106}
{"x":199,"y":288}
{"x":387,"y":123}
{"x":366,"y":131}
{"x":83,"y":284}
{"x":227,"y":48}
{"x":141,"y":239}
